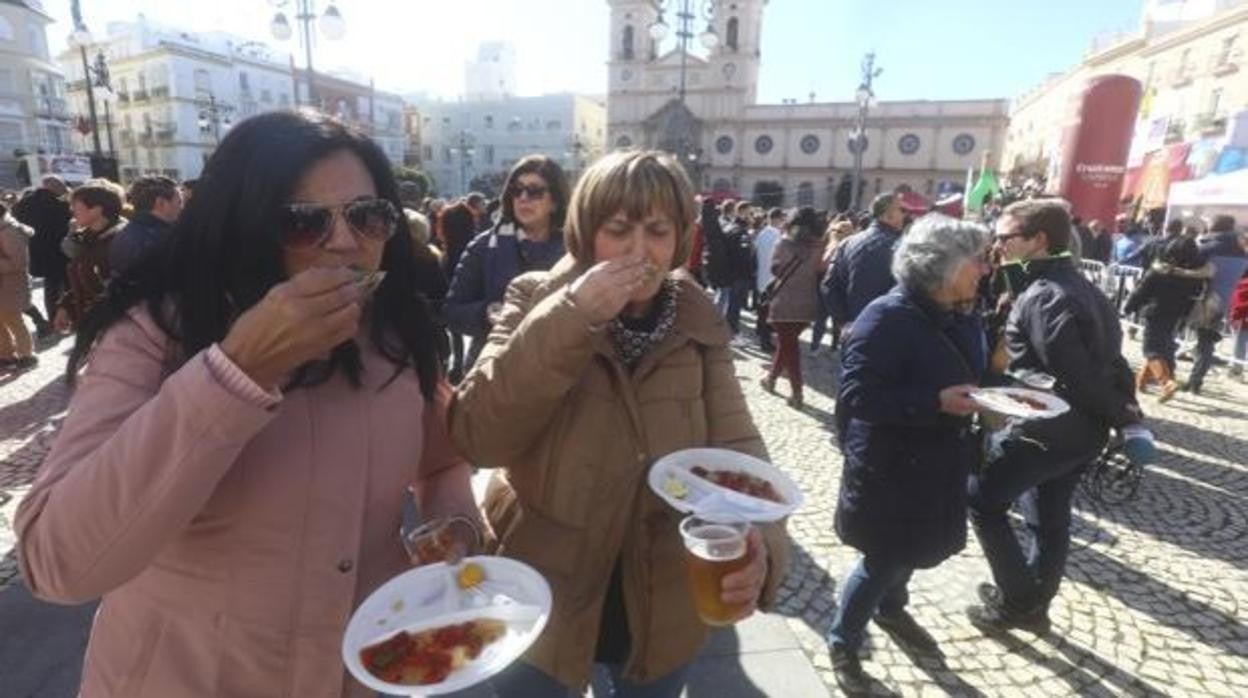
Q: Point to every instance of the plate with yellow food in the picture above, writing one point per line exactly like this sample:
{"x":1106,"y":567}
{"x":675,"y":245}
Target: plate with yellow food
{"x":442,"y":628}
{"x":705,"y":481}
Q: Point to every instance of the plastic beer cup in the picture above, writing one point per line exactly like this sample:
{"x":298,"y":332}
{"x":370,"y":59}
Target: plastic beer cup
{"x":714,"y":548}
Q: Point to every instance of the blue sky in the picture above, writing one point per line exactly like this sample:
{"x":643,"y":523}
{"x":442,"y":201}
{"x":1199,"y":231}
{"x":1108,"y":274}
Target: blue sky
{"x":933,"y":50}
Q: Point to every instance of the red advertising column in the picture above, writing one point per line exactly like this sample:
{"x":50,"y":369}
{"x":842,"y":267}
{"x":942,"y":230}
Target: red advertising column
{"x":1095,"y":144}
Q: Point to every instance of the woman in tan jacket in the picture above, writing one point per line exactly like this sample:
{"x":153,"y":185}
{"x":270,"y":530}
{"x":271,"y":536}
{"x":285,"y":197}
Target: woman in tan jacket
{"x":592,"y":371}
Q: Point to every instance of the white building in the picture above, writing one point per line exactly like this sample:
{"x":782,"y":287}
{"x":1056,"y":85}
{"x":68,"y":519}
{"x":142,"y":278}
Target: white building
{"x":462,"y":141}
{"x":33,"y":114}
{"x":1190,"y":58}
{"x":802,"y":150}
{"x":492,"y":76}
{"x":174,"y":93}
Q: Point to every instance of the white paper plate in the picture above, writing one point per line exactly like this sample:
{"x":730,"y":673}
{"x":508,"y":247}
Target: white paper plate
{"x":429,"y":597}
{"x":998,"y":400}
{"x":704,"y":497}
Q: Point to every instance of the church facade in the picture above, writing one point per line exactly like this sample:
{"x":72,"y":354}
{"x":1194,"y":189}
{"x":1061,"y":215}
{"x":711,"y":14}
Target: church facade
{"x":791,"y":154}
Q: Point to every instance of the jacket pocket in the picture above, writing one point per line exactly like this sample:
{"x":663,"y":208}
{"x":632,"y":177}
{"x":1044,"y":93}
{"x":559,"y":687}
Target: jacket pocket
{"x":123,"y":642}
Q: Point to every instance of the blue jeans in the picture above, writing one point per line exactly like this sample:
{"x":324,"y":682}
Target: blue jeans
{"x":729,"y":299}
{"x":875,"y":584}
{"x":522,"y":680}
{"x":1044,"y":491}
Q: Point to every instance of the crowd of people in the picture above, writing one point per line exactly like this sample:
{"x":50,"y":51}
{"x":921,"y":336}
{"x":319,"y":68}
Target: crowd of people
{"x":271,"y":365}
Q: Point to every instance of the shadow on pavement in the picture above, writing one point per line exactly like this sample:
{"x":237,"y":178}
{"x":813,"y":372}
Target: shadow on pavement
{"x":1195,"y":438}
{"x":1206,"y":519}
{"x":24,"y":417}
{"x":1202,"y":623}
{"x":42,"y":645}
{"x":1086,"y":673}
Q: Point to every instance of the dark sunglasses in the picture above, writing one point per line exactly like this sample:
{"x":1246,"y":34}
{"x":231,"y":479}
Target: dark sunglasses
{"x":310,"y":225}
{"x":533,"y":192}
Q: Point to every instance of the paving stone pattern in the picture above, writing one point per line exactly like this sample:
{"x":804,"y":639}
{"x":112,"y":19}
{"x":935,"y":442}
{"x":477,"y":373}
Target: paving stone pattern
{"x":1157,"y":591}
{"x":1157,"y":588}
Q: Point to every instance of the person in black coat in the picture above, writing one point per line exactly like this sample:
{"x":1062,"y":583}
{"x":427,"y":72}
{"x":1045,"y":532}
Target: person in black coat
{"x":46,"y":209}
{"x":1063,"y":329}
{"x":1163,"y":298}
{"x":861,"y":267}
{"x":903,"y":414}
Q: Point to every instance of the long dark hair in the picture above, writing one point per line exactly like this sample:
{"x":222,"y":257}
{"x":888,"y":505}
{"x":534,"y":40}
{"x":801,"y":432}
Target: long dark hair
{"x":224,"y":254}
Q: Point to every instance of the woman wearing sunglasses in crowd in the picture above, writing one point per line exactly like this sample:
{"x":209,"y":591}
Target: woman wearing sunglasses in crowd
{"x":528,"y":237}
{"x":594,"y":370}
{"x":231,"y":476}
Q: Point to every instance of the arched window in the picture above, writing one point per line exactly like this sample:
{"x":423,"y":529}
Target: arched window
{"x":626,"y":51}
{"x":734,"y":32}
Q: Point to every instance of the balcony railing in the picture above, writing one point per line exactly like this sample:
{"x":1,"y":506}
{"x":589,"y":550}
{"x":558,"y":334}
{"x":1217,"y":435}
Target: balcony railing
{"x":123,"y":97}
{"x":160,"y":92}
{"x":51,"y":108}
{"x":1181,"y":76}
{"x":140,"y":96}
{"x":1226,"y":63}
{"x":1176,"y":130}
{"x":1209,"y":124}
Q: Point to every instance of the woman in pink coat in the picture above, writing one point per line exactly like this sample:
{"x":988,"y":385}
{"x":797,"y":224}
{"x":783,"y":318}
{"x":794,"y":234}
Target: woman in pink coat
{"x":232,"y":472}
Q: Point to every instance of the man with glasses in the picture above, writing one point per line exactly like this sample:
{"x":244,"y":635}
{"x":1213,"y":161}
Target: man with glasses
{"x":1060,"y":327}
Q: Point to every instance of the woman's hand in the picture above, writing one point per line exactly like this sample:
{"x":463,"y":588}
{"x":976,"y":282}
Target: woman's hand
{"x":607,"y":287}
{"x":746,"y":584}
{"x":956,"y":400}
{"x":296,"y":321}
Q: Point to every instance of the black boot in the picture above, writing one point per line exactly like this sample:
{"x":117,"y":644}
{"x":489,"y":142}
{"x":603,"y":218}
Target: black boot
{"x":847,"y":669}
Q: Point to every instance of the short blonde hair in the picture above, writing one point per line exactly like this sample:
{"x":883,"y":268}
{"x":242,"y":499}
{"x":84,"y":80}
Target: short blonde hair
{"x":634,"y":182}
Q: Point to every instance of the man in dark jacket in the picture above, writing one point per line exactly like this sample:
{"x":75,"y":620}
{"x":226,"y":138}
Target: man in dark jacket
{"x":861,"y":266}
{"x":47,"y":211}
{"x":1096,"y":242}
{"x":157,"y":202}
{"x":730,"y":259}
{"x":1060,"y":326}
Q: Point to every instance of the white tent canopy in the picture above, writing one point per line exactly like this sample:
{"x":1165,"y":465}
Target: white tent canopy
{"x":1210,"y":196}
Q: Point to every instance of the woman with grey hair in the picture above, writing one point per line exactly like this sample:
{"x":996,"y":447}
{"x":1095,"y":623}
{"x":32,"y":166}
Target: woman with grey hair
{"x":904,"y":424}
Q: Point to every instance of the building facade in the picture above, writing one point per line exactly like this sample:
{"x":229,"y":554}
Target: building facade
{"x":492,"y":76}
{"x":798,"y":153}
{"x":361,"y":104}
{"x":1191,"y":58}
{"x":174,"y":94}
{"x":34,"y":116}
{"x":473,"y":144}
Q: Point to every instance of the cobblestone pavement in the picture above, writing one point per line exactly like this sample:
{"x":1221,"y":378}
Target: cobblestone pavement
{"x":1157,"y":588}
{"x":1156,"y":597}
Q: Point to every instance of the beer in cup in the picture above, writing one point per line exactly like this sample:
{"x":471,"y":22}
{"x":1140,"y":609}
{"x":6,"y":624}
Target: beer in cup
{"x":715,"y":547}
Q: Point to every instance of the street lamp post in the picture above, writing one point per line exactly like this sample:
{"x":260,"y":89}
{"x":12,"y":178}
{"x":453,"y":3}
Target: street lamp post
{"x":332,"y":26}
{"x":212,"y":114}
{"x":83,"y":38}
{"x":865,"y":97}
{"x":684,"y":30}
{"x":465,"y":151}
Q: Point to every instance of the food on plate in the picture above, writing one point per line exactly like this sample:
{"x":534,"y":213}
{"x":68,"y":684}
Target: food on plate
{"x":1029,"y":402}
{"x":739,"y":482}
{"x":675,"y":488}
{"x":470,"y":575}
{"x":430,"y":656}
